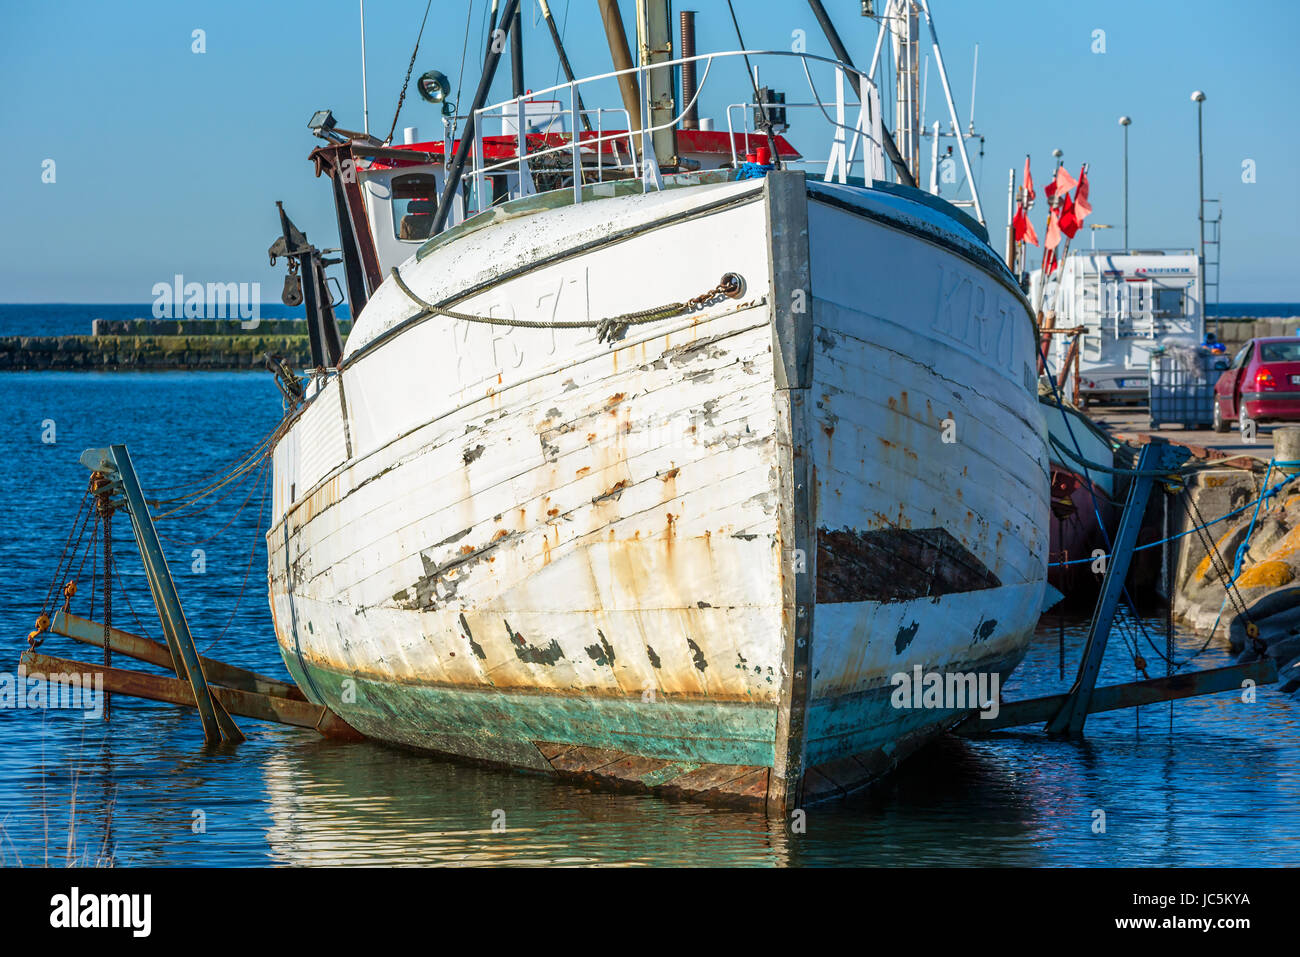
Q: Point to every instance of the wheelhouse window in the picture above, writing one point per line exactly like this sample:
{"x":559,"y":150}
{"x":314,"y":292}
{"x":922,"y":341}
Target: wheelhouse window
{"x":415,"y":200}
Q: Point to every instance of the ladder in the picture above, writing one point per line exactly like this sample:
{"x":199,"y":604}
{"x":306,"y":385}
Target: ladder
{"x":1211,"y":226}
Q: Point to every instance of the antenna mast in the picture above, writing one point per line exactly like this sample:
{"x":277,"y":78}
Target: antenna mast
{"x":365,"y":103}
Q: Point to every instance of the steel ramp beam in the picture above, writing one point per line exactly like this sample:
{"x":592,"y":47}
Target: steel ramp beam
{"x":144,"y":649}
{"x":114,"y":463}
{"x":1156,"y":456}
{"x":1014,"y":714}
{"x":262,"y":707}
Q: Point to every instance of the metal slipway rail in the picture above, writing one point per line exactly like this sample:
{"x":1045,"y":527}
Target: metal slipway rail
{"x":1065,"y":714}
{"x":216,"y":689}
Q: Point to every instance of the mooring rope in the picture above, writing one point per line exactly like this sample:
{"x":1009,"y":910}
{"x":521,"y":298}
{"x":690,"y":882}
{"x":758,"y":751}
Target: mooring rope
{"x":610,"y":329}
{"x":1196,"y":528}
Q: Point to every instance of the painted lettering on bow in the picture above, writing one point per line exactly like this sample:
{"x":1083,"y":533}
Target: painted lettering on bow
{"x":975,"y":317}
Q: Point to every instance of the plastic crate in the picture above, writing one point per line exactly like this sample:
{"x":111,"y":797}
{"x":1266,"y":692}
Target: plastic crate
{"x":1180,"y":387}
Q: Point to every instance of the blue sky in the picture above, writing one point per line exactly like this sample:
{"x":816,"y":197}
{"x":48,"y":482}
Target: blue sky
{"x":168,"y":161}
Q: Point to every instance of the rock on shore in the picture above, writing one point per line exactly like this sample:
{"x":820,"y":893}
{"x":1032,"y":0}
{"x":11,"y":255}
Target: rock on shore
{"x":1268,"y":583}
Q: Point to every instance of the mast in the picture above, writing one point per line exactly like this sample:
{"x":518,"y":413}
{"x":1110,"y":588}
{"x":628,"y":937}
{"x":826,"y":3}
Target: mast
{"x":655,"y":45}
{"x":906,"y":38}
{"x":517,"y":53}
{"x":837,"y":45}
{"x":622,"y":57}
{"x":457,"y":166}
{"x":1011,"y":212}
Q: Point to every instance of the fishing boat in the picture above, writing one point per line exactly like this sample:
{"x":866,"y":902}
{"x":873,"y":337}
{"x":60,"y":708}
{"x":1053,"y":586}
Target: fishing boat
{"x":654,"y":458}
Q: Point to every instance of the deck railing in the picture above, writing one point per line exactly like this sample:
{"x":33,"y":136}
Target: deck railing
{"x":854,"y":122}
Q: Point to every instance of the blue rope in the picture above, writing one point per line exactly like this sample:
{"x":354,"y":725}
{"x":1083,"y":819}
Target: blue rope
{"x":752,"y":171}
{"x":1267,"y":493}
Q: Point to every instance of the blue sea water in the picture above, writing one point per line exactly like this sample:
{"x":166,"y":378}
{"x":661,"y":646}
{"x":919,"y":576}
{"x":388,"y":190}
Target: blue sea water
{"x":75,"y":318}
{"x":1255,"y":310}
{"x":1223,"y":787}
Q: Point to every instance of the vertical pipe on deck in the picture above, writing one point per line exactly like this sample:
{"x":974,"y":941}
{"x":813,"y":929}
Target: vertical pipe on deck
{"x":517,"y":53}
{"x":691,"y":119}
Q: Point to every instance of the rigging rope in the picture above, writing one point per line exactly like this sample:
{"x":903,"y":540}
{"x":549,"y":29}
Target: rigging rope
{"x":1173,"y":538}
{"x":409,"y":67}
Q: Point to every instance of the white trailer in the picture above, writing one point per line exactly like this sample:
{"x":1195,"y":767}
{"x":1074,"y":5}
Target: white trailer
{"x":1128,"y":303}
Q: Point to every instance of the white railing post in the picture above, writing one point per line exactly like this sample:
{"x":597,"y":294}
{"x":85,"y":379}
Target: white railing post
{"x":575,"y":152}
{"x":479,"y":163}
{"x":525,"y":177}
{"x":836,"y":165}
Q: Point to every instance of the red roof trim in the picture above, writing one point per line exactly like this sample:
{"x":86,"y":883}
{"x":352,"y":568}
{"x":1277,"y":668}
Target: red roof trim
{"x":709,"y":142}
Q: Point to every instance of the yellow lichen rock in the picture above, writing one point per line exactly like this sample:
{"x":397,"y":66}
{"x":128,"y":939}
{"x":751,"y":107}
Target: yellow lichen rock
{"x":1267,"y":574}
{"x":1203,"y":568}
{"x":1288,"y":545}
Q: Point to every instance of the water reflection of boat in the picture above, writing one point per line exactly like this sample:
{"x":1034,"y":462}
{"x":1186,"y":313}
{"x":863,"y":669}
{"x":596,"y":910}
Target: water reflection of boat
{"x":367,"y":805}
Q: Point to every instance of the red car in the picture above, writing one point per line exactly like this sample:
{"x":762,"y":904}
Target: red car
{"x":1263,"y":382}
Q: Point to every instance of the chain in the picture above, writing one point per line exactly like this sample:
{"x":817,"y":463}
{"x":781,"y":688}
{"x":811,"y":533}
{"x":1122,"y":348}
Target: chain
{"x":108,"y":591}
{"x":1221,"y":571}
{"x":409,"y":67}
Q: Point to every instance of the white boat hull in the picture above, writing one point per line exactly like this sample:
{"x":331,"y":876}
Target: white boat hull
{"x":662,"y":562}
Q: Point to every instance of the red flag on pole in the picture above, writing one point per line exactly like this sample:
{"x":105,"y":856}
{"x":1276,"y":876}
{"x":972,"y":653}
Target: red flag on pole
{"x":1030,"y":195}
{"x":1069,"y":224}
{"x":1082,"y":208}
{"x":1064,"y":181}
{"x":1053,"y":238}
{"x":1024,"y":229}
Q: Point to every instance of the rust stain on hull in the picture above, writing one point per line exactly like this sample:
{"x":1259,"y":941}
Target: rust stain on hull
{"x":895,"y":564}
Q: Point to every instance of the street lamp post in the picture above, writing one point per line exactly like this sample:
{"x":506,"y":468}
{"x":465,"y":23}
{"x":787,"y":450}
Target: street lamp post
{"x":1124,"y":121}
{"x":1198,"y":97}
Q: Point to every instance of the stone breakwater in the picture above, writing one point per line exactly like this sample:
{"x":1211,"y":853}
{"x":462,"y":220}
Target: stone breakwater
{"x":147,"y":353}
{"x":161,"y":345}
{"x":204,"y":327}
{"x":1235,"y":331}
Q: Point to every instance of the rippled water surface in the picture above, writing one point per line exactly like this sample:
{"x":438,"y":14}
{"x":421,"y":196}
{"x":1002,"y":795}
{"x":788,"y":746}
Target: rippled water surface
{"x":1222,"y":788}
